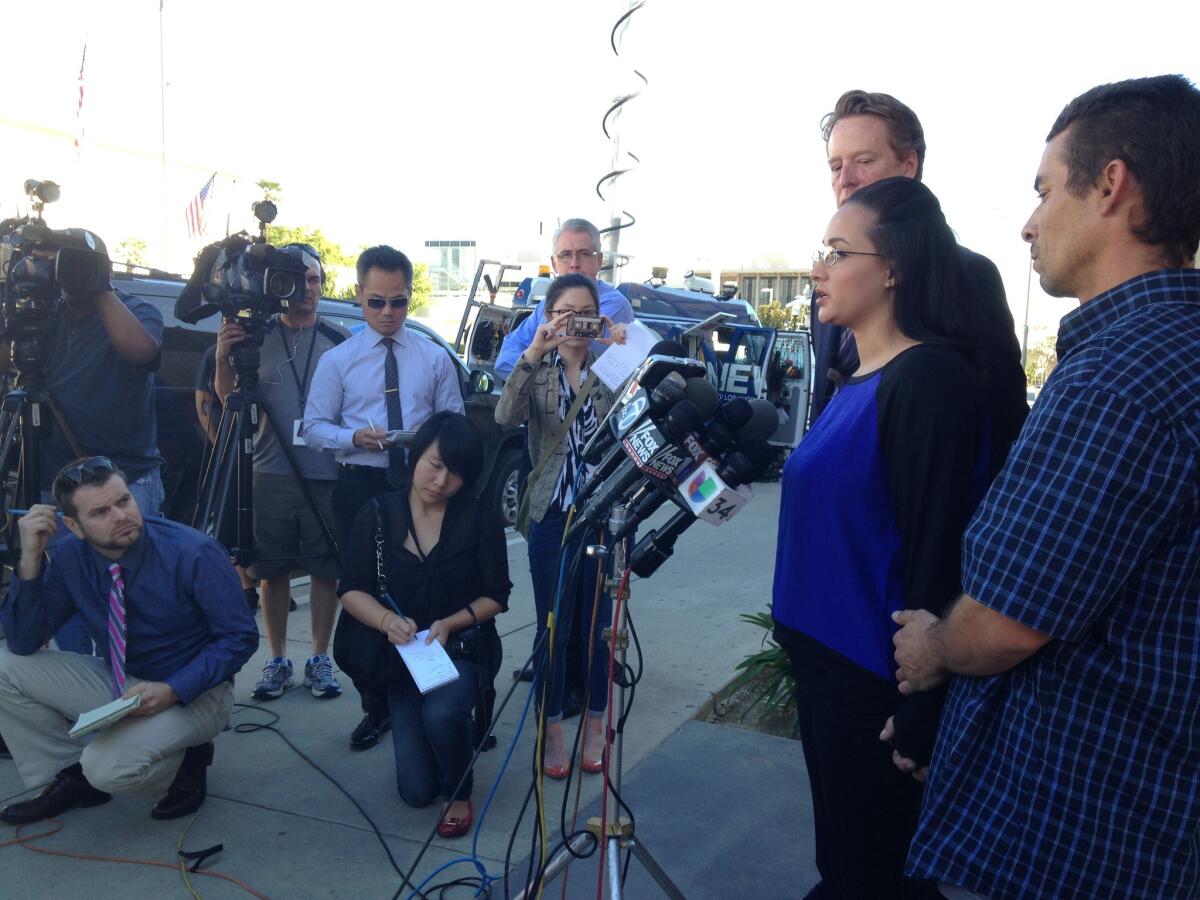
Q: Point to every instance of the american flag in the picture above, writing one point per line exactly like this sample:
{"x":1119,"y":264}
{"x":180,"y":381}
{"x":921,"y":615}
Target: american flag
{"x":195,"y":209}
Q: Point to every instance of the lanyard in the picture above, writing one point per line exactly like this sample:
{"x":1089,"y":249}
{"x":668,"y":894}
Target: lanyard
{"x":301,"y":385}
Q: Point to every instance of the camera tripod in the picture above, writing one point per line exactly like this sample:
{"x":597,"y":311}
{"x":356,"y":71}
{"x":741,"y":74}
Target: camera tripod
{"x":613,"y":831}
{"x":229,"y":469}
{"x":24,"y":424}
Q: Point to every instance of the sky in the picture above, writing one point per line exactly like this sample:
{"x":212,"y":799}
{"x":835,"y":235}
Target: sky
{"x":401,"y":122}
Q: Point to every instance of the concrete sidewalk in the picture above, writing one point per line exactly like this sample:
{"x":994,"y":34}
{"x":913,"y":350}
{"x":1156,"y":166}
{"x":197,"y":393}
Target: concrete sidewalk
{"x":288,"y":831}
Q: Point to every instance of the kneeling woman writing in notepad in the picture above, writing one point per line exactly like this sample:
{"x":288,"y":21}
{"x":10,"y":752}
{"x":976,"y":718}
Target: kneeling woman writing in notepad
{"x":445,"y":561}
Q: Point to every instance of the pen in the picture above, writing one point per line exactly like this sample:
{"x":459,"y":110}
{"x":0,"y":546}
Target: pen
{"x":373,"y":428}
{"x":21,"y":512}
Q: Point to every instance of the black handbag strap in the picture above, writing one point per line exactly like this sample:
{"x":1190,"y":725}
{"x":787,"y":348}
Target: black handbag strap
{"x":380,"y":576}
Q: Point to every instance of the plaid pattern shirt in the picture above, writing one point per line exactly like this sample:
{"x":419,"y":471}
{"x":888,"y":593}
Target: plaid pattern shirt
{"x":1077,"y":772}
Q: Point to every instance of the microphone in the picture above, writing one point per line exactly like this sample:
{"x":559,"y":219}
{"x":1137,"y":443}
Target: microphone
{"x":652,"y":450}
{"x":763,"y":422}
{"x":604,"y":448}
{"x":656,"y":548}
{"x":701,"y":392}
{"x":639,"y":393}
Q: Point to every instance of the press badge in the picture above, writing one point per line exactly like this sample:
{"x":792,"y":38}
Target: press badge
{"x":298,"y":433}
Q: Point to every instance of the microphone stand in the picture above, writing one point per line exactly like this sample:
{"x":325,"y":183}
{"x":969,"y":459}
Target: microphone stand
{"x":613,"y":831}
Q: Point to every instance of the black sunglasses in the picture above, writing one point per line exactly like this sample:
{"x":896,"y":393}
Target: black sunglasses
{"x":394,"y":302}
{"x":69,"y":479}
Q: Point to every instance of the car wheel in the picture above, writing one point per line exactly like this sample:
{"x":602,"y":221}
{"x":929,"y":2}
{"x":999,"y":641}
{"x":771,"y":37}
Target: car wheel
{"x":504,"y":489}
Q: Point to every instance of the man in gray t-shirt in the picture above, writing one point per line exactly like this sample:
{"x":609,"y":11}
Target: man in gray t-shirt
{"x":288,"y":534}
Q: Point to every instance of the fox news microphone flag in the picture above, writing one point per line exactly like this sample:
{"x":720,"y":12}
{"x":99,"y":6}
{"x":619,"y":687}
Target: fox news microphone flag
{"x":195,"y":209}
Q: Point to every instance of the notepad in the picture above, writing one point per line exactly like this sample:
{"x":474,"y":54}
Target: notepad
{"x":430,"y":664}
{"x":103,"y":716}
{"x":620,"y":361}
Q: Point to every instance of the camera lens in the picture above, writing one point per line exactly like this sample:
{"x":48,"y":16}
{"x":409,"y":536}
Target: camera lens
{"x":281,"y":285}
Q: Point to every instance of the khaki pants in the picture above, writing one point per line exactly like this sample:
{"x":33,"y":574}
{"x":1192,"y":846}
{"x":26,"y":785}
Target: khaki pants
{"x":41,"y":696}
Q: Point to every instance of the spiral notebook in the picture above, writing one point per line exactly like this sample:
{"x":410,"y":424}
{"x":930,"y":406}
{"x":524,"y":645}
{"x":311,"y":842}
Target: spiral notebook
{"x":430,"y":664}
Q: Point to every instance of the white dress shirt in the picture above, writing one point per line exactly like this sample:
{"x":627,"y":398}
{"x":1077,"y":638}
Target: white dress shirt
{"x":346,"y":393}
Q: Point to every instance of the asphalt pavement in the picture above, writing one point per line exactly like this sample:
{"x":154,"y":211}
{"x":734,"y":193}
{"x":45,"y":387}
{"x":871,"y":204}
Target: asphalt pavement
{"x":298,"y":814}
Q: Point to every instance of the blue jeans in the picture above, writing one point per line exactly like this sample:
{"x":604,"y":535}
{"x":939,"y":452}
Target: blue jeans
{"x":432,"y":736}
{"x":148,"y":492}
{"x":545,"y":541}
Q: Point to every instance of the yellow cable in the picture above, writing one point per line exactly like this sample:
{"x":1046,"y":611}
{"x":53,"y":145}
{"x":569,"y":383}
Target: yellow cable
{"x":187,"y":882}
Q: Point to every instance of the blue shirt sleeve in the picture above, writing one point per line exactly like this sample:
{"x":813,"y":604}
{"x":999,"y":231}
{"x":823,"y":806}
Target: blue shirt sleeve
{"x":1092,"y":485}
{"x":233,"y":636}
{"x":517,"y":341}
{"x":35,"y":610}
{"x":448,"y":391}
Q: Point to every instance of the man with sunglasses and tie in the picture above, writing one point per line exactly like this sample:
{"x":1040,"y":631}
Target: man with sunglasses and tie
{"x":164,"y":606}
{"x":381,"y":380}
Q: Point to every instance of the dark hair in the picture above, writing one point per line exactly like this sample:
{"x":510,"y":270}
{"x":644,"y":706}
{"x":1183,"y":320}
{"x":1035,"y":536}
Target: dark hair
{"x":459,"y":445}
{"x":64,"y":488}
{"x":904,"y":128}
{"x":1151,"y":125}
{"x":911,"y":233}
{"x":297,"y":248}
{"x":564,"y":283}
{"x":383,"y":257}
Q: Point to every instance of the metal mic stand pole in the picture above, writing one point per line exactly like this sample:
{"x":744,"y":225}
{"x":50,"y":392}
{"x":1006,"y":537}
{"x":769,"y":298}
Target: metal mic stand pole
{"x":614,"y":834}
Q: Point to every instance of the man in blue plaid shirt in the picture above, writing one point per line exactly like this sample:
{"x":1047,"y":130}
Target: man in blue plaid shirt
{"x":1068,"y":758}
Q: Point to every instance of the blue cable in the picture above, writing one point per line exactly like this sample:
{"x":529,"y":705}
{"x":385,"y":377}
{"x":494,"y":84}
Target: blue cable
{"x":474,"y":859}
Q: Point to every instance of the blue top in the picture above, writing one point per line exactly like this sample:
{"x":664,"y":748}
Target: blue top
{"x":874,"y":502}
{"x":613,"y":304}
{"x":186,"y":617}
{"x":108,"y":402}
{"x":1077,"y":773}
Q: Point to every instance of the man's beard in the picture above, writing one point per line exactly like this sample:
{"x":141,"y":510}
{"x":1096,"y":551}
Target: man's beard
{"x":121,"y":543}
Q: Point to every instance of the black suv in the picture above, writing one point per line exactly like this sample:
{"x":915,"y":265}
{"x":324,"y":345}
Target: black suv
{"x":181,"y":440}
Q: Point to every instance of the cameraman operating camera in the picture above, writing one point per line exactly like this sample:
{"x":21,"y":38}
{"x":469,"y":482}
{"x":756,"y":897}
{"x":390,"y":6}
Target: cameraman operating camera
{"x":101,"y":352}
{"x":286,"y":528}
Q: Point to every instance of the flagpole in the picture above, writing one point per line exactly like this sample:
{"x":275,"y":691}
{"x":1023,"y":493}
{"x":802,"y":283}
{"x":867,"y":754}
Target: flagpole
{"x":162,"y":100}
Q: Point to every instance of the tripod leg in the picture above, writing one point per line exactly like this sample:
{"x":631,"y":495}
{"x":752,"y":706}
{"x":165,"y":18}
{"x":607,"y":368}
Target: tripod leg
{"x":612,"y":863}
{"x":654,"y":869}
{"x":558,"y":863}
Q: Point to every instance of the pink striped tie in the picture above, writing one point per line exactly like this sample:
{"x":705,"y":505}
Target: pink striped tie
{"x":116,"y":630}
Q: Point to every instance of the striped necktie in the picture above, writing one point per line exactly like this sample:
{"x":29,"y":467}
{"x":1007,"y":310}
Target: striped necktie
{"x":395,"y":413}
{"x":116,"y":630}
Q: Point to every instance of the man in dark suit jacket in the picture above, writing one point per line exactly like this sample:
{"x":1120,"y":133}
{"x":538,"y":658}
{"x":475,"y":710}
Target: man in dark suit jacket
{"x":869,"y":137}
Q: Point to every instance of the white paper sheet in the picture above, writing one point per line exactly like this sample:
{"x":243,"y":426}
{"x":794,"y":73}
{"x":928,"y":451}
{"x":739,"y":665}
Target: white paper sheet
{"x":619,"y":361}
{"x":430,"y":664}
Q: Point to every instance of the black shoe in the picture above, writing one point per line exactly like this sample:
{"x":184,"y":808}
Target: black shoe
{"x":68,"y":790}
{"x":525,"y":675}
{"x":5,"y":753}
{"x":187,"y":792}
{"x":369,"y":730}
{"x":251,"y":599}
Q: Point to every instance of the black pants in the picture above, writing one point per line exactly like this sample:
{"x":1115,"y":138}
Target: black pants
{"x":354,"y":487}
{"x":864,"y":809}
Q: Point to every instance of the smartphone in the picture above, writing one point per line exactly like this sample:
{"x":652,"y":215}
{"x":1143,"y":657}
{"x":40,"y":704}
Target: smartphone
{"x":400,"y":438}
{"x":585,"y":326}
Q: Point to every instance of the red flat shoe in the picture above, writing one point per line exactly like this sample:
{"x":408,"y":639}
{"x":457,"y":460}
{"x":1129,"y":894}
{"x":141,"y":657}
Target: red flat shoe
{"x":558,"y":773}
{"x":453,"y":826}
{"x":593,"y":768}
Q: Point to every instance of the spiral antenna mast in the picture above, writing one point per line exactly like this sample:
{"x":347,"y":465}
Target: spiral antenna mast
{"x":623,"y":162}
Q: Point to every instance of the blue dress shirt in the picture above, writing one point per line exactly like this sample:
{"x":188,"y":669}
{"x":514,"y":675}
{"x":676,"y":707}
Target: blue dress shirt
{"x":187,"y":622}
{"x":613,"y":304}
{"x":346,"y":393}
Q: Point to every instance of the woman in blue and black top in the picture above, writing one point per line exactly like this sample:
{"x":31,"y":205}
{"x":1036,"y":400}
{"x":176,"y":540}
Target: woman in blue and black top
{"x":891,"y":471}
{"x":542,"y":389}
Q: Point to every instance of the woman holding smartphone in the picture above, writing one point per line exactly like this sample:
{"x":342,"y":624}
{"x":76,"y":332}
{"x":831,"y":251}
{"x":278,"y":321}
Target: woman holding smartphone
{"x":552,"y":388}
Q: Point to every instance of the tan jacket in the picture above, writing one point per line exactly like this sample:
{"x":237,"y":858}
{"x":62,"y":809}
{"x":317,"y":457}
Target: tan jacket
{"x":532,"y":395}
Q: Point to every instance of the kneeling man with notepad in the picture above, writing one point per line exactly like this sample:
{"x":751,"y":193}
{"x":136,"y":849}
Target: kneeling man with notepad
{"x":165,"y":603}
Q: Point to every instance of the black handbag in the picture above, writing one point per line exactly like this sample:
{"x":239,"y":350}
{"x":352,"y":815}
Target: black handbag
{"x":362,"y":652}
